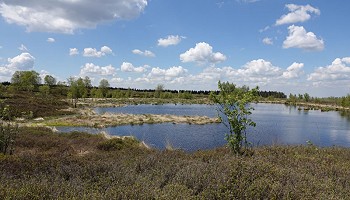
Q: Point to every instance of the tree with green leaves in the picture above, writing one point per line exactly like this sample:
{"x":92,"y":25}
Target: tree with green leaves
{"x":158,"y":91}
{"x":307,"y":97}
{"x":234,"y":107}
{"x":49,"y":80}
{"x":44,"y":90}
{"x":77,"y":89}
{"x":87,"y":82}
{"x":103,"y":87}
{"x":25,"y":80}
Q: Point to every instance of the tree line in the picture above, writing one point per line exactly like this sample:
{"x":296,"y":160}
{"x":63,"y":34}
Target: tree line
{"x":76,"y":88}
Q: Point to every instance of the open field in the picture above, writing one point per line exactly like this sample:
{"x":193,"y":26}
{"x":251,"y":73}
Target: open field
{"x":48,"y":165}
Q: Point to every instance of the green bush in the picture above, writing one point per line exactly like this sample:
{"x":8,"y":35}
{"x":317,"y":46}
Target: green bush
{"x":8,"y":133}
{"x":118,"y":144}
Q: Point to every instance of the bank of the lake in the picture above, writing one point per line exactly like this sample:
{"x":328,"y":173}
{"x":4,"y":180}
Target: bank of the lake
{"x":48,"y":165}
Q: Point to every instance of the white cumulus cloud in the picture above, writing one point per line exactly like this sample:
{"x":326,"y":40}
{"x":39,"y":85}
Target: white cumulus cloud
{"x":202,"y":53}
{"x":297,"y":13}
{"x":299,"y":38}
{"x":170,"y":40}
{"x":73,"y":51}
{"x":128,"y":67}
{"x":293,"y":71}
{"x":92,"y":52}
{"x":146,"y":53}
{"x":260,"y":71}
{"x":66,"y":16}
{"x":22,"y":62}
{"x":92,"y":69}
{"x":339,"y":70}
{"x":171,"y":74}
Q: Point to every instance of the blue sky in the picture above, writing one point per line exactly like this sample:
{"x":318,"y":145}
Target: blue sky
{"x":291,"y":46}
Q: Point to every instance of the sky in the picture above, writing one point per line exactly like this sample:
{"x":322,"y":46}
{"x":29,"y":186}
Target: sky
{"x":296,"y":46}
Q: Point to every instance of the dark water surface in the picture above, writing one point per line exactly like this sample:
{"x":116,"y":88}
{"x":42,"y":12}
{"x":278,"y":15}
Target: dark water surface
{"x":276,"y":124}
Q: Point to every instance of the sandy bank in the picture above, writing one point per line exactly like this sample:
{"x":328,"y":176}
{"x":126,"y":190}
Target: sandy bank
{"x":91,"y":119}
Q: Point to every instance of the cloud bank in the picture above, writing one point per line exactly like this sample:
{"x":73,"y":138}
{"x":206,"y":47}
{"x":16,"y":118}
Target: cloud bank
{"x":67,"y":16}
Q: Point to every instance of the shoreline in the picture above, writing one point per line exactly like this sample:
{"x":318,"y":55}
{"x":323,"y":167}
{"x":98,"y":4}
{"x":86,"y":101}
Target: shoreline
{"x":86,"y":116}
{"x":89,"y":118}
{"x":310,"y":106}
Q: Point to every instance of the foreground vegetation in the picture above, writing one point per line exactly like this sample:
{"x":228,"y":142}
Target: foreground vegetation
{"x":48,"y":165}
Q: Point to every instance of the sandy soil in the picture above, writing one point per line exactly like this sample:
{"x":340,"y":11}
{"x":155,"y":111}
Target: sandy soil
{"x":89,"y":118}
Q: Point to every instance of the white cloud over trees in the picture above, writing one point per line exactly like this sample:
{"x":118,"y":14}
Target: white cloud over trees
{"x":202,"y":53}
{"x":333,"y":74}
{"x":129,"y":67}
{"x":23,"y":62}
{"x":92,"y":69}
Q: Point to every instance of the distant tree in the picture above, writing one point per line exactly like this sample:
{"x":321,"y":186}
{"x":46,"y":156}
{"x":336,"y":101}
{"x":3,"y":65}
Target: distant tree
{"x":104,"y":86}
{"x":307,"y":97}
{"x":87,"y":82}
{"x":292,"y":98}
{"x":49,"y":80}
{"x":25,"y":80}
{"x":77,"y":89}
{"x":300,"y":96}
{"x":158,"y":91}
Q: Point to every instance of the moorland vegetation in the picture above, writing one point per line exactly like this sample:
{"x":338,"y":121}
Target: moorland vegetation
{"x":38,"y":163}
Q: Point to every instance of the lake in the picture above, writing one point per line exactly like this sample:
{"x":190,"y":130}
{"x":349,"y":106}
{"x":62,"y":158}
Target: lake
{"x":276,"y":124}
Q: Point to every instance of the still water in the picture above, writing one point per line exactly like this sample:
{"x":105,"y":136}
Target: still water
{"x":276,"y":124}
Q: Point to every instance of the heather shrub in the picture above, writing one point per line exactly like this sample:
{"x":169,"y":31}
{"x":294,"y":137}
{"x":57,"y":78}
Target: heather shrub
{"x":118,"y":144}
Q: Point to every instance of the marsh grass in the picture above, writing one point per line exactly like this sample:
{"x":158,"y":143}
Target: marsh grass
{"x":48,"y":165}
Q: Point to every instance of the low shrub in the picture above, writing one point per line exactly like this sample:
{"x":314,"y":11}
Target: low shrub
{"x":8,"y":133}
{"x":118,"y":144}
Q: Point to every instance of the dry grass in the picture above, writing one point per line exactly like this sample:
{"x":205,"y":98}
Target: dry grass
{"x":108,"y":119}
{"x":48,"y":165}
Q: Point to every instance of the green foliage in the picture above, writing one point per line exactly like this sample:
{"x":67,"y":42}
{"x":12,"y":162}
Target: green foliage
{"x":8,"y":133}
{"x":49,"y":80}
{"x":234,"y":109}
{"x":118,"y":144}
{"x":345,"y":101}
{"x":158,"y":91}
{"x":77,"y":89}
{"x":292,"y":98}
{"x":185,"y":95}
{"x":307,"y":97}
{"x":87,"y":82}
{"x":104,"y":86}
{"x":44,"y":90}
{"x":25,"y":80}
{"x":6,"y":113}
